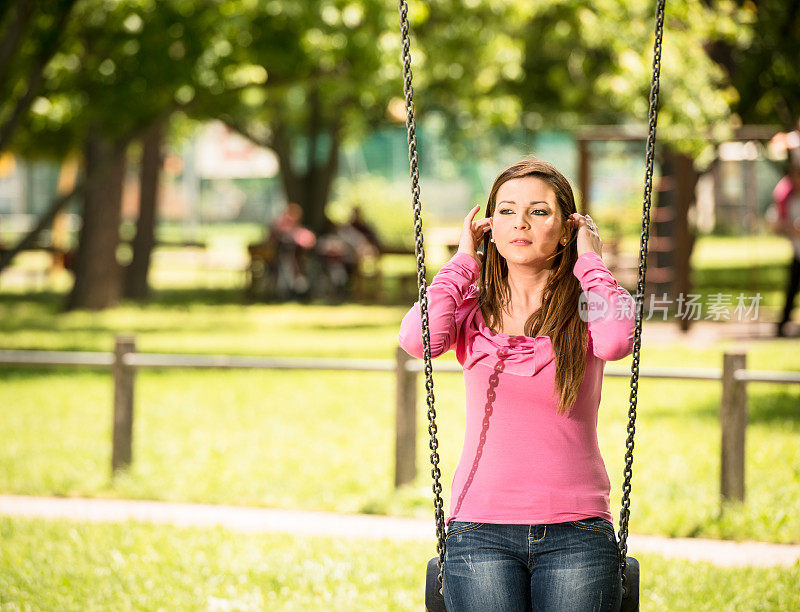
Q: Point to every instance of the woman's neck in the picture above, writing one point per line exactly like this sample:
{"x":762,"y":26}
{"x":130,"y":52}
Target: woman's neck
{"x":526,"y":285}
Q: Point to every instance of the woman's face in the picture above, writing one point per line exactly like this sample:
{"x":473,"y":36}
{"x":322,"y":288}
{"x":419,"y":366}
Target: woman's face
{"x":526,"y":209}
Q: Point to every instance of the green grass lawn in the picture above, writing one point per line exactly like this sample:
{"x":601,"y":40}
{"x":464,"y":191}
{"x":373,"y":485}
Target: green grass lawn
{"x":60,"y":565}
{"x":325,"y":440}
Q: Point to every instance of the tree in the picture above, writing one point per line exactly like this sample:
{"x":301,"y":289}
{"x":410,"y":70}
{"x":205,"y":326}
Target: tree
{"x":351,"y":50}
{"x":136,"y":285}
{"x":762,"y":62}
{"x":124,"y":68}
{"x":562,"y":63}
{"x":343,"y":49}
{"x":303,"y":76}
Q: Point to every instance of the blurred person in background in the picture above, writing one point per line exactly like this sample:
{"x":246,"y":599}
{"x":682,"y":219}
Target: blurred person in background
{"x":332,"y":252}
{"x":784,"y":219}
{"x":342,"y":248}
{"x":291,"y":242}
{"x":358,"y":222}
{"x":363,"y":241}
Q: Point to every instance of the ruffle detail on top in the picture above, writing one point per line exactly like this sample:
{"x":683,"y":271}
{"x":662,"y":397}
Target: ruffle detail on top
{"x":520,"y":355}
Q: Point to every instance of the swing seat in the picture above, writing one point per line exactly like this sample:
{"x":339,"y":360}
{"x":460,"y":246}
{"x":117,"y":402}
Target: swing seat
{"x":434,"y":600}
{"x":630,"y":599}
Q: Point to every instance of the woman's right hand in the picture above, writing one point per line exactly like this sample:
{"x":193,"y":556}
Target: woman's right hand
{"x":472,"y":233}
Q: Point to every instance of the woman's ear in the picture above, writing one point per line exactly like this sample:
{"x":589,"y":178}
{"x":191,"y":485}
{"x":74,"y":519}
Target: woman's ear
{"x":568,"y":227}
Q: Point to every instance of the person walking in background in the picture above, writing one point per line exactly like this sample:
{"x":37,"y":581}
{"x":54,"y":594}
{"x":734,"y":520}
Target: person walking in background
{"x":784,"y":219}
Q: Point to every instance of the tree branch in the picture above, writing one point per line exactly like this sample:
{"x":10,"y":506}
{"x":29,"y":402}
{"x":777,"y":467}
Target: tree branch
{"x":48,"y":50}
{"x":240,"y":129}
{"x":44,"y":221}
{"x":13,"y":39}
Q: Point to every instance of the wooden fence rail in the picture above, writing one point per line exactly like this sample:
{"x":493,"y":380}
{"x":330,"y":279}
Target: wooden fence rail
{"x":125,"y":361}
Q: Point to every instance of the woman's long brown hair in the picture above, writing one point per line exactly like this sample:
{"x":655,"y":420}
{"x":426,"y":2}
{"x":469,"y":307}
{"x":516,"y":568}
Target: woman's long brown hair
{"x":558,"y":315}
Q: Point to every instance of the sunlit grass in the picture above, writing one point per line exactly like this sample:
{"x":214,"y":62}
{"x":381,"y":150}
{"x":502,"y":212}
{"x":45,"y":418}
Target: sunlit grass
{"x":325,"y":440}
{"x":60,"y":565}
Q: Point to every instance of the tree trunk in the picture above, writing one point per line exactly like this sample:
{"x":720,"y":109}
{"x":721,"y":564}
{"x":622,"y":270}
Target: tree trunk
{"x":15,"y":34}
{"x":136,"y":286}
{"x":98,"y":275}
{"x":310,"y":189}
{"x":672,"y":238}
{"x":282,"y":145}
{"x":320,"y":183}
{"x":686,"y":181}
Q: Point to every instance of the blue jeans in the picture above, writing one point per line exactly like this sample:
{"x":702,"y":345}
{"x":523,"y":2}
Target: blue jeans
{"x":561,"y":567}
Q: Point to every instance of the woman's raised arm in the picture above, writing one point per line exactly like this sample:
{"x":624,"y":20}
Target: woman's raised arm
{"x":608,"y":309}
{"x":450,"y":287}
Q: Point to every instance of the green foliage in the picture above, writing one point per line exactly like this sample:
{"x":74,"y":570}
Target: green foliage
{"x":31,"y":34}
{"x":345,"y":52}
{"x":561,"y":63}
{"x":124,"y":64}
{"x":762,"y":64}
{"x":479,"y":63}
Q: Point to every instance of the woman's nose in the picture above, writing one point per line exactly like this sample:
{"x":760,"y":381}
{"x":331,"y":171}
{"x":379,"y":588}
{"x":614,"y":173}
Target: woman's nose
{"x":520,"y":222}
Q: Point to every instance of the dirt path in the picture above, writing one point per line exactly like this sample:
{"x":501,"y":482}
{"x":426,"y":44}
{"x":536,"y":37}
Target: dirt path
{"x":267,"y":520}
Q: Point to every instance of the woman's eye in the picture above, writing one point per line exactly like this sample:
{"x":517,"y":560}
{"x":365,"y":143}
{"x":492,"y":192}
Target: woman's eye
{"x":538,"y":210}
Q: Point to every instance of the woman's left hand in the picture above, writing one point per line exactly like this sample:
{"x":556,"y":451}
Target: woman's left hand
{"x":589,"y":240}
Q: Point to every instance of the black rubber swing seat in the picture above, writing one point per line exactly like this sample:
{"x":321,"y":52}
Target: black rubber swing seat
{"x":434,"y":601}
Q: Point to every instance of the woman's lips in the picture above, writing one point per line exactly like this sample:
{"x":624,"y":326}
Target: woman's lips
{"x":521,"y":242}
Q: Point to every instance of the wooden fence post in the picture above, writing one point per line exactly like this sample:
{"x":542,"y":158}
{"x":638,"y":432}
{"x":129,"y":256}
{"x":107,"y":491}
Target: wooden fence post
{"x":124,"y":377}
{"x":405,"y":455}
{"x":733,"y":419}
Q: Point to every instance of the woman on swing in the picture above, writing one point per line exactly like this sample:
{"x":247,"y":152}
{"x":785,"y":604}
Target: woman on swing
{"x":532,"y":321}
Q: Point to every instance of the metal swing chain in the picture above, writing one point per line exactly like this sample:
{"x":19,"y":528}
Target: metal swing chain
{"x":422,"y":284}
{"x":624,"y":515}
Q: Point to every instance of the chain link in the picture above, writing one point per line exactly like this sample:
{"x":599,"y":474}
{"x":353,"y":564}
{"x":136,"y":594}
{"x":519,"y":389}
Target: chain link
{"x":438,"y":503}
{"x":624,"y":514}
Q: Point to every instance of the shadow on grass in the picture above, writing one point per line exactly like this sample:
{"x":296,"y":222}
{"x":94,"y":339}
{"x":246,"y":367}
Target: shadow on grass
{"x":44,"y":373}
{"x":778,"y":406}
{"x":706,"y":411}
{"x":763,"y":407}
{"x":766,"y":278}
{"x":53,"y":301}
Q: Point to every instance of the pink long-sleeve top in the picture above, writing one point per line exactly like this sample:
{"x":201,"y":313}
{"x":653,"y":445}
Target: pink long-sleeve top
{"x":522,"y":461}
